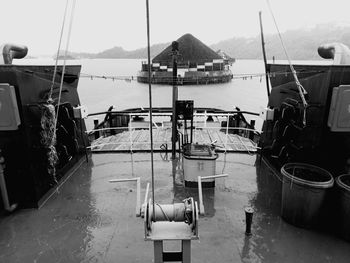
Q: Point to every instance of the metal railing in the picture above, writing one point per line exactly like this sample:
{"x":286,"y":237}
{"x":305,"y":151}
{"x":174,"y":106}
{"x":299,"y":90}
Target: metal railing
{"x":200,"y":124}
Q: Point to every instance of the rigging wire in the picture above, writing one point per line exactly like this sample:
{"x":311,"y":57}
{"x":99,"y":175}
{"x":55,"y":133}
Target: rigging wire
{"x":64,"y":62}
{"x":242,"y":76}
{"x":302,"y":91}
{"x":58,"y":52}
{"x":150,"y":103}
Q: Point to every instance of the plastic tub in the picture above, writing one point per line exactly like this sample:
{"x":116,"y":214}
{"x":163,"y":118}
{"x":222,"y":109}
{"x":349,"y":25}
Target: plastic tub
{"x":199,"y":160}
{"x":303,"y":193}
{"x":343,"y":189}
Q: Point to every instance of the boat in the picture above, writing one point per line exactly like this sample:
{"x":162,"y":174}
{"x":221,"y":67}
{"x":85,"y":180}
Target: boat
{"x":93,"y":210}
{"x":314,"y":131}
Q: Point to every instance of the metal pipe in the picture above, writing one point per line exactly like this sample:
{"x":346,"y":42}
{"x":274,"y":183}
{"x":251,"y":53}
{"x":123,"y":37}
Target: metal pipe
{"x":138,"y":197}
{"x":213,"y":176}
{"x":200,"y":196}
{"x":150,"y":97}
{"x":3,"y":187}
{"x":248,"y":220}
{"x":168,"y":112}
{"x":175,"y":50}
{"x":11,"y":51}
{"x":143,"y":207}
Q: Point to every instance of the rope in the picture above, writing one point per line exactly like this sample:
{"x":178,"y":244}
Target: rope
{"x":302,"y":91}
{"x":58,"y":52}
{"x":242,"y":76}
{"x":64,"y":62}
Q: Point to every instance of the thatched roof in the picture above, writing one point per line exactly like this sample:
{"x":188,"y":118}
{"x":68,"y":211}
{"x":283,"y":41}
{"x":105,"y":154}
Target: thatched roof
{"x":191,"y":50}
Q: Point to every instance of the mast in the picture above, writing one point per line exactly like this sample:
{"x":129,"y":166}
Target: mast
{"x":264,"y":55}
{"x":150,"y":101}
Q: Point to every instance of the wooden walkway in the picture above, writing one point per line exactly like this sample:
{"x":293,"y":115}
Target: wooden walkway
{"x":139,"y":141}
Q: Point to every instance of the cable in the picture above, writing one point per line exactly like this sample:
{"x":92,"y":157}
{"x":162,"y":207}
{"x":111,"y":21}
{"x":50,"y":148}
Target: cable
{"x":64,"y":62}
{"x":302,"y":91}
{"x":58,"y":52}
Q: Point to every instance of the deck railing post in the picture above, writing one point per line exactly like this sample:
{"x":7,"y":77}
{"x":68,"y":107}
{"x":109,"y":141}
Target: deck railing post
{"x":227,"y":122}
{"x":97,"y":133}
{"x":252,"y":126}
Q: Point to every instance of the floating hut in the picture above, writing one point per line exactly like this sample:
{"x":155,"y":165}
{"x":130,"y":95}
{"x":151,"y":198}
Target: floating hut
{"x":196,"y":64}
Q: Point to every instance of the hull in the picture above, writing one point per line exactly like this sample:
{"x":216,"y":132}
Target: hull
{"x":286,"y":138}
{"x":29,"y":173}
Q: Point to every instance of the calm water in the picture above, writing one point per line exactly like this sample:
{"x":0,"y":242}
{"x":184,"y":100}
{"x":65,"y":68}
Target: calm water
{"x":99,"y":94}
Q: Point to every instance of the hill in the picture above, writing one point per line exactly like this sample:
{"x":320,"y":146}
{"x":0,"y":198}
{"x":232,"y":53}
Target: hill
{"x":301,"y":44}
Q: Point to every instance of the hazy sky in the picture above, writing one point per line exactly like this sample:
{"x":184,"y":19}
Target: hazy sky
{"x":102,"y":24}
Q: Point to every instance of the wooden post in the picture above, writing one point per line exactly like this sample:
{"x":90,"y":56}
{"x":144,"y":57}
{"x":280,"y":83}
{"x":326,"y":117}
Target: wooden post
{"x":175,"y":51}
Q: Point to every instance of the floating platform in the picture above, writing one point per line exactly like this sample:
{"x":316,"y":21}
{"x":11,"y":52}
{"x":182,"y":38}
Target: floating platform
{"x":187,"y":78}
{"x":139,"y":141}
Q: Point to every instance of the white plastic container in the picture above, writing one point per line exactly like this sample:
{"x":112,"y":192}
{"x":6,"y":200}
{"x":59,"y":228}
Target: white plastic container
{"x":199,"y":160}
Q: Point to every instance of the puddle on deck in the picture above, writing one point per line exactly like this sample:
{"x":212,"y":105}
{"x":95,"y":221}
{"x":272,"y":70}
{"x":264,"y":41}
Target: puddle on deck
{"x":91,"y":220}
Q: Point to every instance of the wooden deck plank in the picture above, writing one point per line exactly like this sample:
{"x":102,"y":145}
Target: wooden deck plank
{"x":141,"y":140}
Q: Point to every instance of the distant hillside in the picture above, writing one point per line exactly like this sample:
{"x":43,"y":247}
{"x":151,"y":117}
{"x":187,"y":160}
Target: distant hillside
{"x":119,"y":52}
{"x":301,"y":45}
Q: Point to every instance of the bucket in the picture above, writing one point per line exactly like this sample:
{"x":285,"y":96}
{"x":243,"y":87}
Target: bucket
{"x":303,"y":193}
{"x":343,"y":190}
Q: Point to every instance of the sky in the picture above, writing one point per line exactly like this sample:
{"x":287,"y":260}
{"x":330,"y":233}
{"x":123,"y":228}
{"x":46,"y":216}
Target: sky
{"x":102,"y":24}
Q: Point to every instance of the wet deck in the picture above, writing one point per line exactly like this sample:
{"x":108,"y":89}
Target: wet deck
{"x":91,"y":220}
{"x":139,"y":141}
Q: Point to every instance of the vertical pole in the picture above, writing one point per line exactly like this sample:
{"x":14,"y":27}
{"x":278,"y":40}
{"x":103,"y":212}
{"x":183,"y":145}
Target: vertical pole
{"x":97,"y":133}
{"x":264,"y":55}
{"x":186,"y":251}
{"x":252,"y":126}
{"x":3,"y":187}
{"x":248,"y":219}
{"x":138,"y":196}
{"x":200,"y":196}
{"x":227,"y":122}
{"x":175,"y":51}
{"x":158,"y":251}
{"x":150,"y":101}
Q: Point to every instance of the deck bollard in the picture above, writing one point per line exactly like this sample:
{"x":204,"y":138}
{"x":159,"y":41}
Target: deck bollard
{"x":248,"y":220}
{"x":97,"y":133}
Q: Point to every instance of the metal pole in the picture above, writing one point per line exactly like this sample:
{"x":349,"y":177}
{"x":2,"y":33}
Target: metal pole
{"x":150,"y":99}
{"x":175,"y":51}
{"x":264,"y":55}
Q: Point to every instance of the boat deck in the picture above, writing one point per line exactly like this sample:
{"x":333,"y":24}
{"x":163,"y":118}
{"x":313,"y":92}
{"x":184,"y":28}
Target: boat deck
{"x":139,"y":141}
{"x":92,"y":220}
